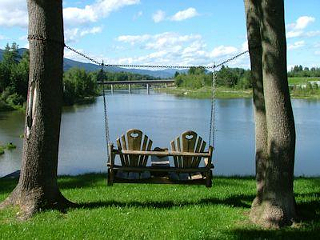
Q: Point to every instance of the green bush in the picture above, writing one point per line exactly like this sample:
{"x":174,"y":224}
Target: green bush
{"x":1,"y":150}
{"x":11,"y":146}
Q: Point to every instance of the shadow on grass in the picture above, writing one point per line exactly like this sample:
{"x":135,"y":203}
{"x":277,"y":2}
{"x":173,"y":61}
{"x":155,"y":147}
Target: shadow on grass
{"x":81,"y":181}
{"x":233,"y":201}
{"x":309,"y":214}
{"x":287,"y":233}
{"x":7,"y":185}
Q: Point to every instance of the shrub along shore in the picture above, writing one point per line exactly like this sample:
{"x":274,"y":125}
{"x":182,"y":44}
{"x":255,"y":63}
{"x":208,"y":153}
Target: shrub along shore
{"x":300,"y":87}
{"x":145,"y":211}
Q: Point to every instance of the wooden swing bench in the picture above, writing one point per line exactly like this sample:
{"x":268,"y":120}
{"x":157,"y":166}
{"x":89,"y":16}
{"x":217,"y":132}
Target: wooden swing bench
{"x":134,"y":150}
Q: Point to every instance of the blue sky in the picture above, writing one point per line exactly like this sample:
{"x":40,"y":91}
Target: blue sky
{"x":177,"y":32}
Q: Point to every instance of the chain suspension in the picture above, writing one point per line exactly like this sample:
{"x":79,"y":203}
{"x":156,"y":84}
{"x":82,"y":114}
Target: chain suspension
{"x":105,"y":103}
{"x":157,"y":66}
{"x":212,"y":126}
{"x":105,"y":108}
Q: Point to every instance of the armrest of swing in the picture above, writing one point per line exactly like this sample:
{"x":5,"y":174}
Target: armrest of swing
{"x":208,"y":160}
{"x":162,"y":154}
{"x":111,"y":156}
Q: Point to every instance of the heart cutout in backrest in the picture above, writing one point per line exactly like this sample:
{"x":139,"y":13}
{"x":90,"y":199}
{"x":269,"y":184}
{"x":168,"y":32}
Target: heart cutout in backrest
{"x":134,"y":135}
{"x":189,"y":136}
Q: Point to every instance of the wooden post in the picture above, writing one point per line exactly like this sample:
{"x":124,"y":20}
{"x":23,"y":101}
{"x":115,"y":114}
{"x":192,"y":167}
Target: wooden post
{"x":148,"y":91}
{"x":129,"y":88}
{"x":111,"y":88}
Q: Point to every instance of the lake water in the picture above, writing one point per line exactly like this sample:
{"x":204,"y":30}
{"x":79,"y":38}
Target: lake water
{"x":163,"y":117}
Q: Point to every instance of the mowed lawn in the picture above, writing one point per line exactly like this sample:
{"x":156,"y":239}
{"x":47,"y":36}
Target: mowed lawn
{"x":132,"y":211}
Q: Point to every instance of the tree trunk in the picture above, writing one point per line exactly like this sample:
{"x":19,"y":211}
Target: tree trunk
{"x":253,"y":15}
{"x":275,"y":204}
{"x":37,"y":188}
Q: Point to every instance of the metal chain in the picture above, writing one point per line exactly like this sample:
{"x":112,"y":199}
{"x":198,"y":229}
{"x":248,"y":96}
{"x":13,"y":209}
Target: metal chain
{"x":83,"y":55}
{"x":44,"y":39}
{"x":157,"y":66}
{"x":231,"y":59}
{"x":212,"y":126}
{"x":105,"y":108}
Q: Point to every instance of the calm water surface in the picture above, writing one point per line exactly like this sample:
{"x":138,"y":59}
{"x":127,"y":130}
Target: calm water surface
{"x":163,"y":117}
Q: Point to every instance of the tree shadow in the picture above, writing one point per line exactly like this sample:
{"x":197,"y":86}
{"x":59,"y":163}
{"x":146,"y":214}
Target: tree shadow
{"x":232,"y":201}
{"x":287,"y":233}
{"x":7,"y":185}
{"x":81,"y":181}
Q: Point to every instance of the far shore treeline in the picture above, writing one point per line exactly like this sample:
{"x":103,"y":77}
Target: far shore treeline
{"x":81,"y":86}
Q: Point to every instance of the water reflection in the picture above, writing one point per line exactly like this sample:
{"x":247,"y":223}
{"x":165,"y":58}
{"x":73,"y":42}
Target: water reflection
{"x":163,"y":117}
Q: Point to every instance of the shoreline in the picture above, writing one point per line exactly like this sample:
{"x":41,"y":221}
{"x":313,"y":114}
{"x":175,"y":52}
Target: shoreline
{"x":225,"y":93}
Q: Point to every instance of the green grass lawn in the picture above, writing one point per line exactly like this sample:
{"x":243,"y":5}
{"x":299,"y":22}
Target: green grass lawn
{"x":135,"y":211}
{"x":301,"y":80}
{"x":206,"y":92}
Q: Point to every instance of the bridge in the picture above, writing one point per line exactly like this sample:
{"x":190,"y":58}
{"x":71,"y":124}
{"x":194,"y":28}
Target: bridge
{"x":147,"y":82}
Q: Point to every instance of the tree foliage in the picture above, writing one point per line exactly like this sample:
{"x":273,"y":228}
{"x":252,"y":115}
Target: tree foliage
{"x":78,"y":84}
{"x":14,"y":73}
{"x":300,"y":71}
{"x":196,"y":78}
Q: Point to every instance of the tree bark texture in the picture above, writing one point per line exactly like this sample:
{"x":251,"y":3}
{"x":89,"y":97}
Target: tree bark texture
{"x":253,"y":16}
{"x":274,"y":205}
{"x":37,"y":188}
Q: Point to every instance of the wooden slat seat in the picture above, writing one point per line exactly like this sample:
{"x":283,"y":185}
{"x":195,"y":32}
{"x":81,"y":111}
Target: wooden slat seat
{"x":190,"y":142}
{"x":134,"y":150}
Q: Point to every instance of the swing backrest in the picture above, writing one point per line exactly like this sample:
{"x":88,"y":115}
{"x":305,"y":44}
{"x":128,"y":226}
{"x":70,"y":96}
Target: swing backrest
{"x":134,"y":140}
{"x":189,"y":141}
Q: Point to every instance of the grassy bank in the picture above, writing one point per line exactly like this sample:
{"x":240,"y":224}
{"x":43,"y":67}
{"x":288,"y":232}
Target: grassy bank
{"x":159,"y":211}
{"x":9,"y":146}
{"x":302,"y":80}
{"x":205,"y":92}
{"x":225,"y":92}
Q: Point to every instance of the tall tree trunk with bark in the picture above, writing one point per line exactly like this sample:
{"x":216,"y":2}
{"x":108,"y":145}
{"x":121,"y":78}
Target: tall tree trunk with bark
{"x":274,"y":205}
{"x":37,"y":188}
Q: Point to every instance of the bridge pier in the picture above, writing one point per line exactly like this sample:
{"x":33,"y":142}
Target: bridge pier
{"x":148,"y":91}
{"x":129,"y":88}
{"x":111,"y":86}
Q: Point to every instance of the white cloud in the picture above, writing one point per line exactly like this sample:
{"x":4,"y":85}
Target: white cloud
{"x":91,"y":13}
{"x":223,"y":51}
{"x":73,"y":34}
{"x":244,"y":46}
{"x":159,"y":16}
{"x":13,"y":13}
{"x":303,"y":22}
{"x":184,"y":14}
{"x":296,"y":45}
{"x":296,"y":29}
{"x":292,"y":34}
{"x":133,"y":39}
{"x":312,"y":33}
{"x":93,"y":30}
{"x":176,"y":49}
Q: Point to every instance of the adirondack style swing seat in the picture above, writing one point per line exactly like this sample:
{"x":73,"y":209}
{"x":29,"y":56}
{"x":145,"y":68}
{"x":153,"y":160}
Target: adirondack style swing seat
{"x":134,"y":149}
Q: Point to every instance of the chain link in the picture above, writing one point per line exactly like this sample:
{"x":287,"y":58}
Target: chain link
{"x":105,"y":108}
{"x":44,"y":39}
{"x":157,"y":66}
{"x":105,"y":103}
{"x":212,"y":127}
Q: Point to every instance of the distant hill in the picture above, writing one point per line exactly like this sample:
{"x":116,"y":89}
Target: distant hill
{"x":69,"y":63}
